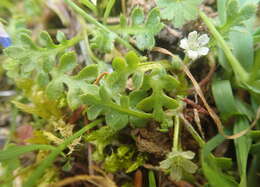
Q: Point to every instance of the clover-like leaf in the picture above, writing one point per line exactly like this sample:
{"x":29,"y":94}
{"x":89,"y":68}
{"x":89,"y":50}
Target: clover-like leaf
{"x":179,"y":11}
{"x":178,"y":163}
{"x":160,"y":82}
{"x":143,"y":30}
{"x":77,"y":84}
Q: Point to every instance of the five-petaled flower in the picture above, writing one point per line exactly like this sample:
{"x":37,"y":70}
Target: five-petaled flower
{"x":194,"y":45}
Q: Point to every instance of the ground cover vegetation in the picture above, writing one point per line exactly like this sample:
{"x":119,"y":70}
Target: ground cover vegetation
{"x":130,"y":93}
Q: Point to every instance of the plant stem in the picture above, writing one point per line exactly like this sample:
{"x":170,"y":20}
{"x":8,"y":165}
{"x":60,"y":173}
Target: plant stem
{"x":155,"y":64}
{"x":73,"y":41}
{"x":90,"y":5}
{"x":86,"y":41}
{"x":101,"y":26}
{"x":32,"y":181}
{"x":129,"y":112}
{"x":192,"y":131}
{"x":176,"y":133}
{"x":123,"y":7}
{"x":240,"y":72}
{"x":108,"y":10}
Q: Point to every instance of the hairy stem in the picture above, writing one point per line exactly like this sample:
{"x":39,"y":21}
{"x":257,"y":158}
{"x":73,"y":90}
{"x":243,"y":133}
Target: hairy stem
{"x":129,"y":112}
{"x":192,"y":131}
{"x":176,"y":133}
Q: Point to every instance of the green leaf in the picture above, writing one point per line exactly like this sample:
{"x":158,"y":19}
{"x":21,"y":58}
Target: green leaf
{"x":242,"y":45}
{"x":114,"y":118}
{"x":221,"y":6}
{"x":179,"y":11}
{"x":235,"y":14}
{"x":253,"y":86}
{"x":224,"y":98}
{"x":67,"y":62}
{"x":214,"y":174}
{"x":77,"y":84}
{"x":257,"y":36}
{"x":143,"y":30}
{"x":123,"y":69}
{"x":88,"y":74}
{"x":103,"y":41}
{"x":60,"y":36}
{"x":55,"y":89}
{"x":31,"y":59}
{"x":101,"y":137}
{"x":152,"y":180}
{"x":160,"y":82}
{"x":226,"y":103}
{"x":124,"y":158}
{"x":137,"y":16}
{"x":248,"y":11}
{"x":242,"y":145}
{"x":45,"y":40}
{"x":210,"y":166}
{"x":8,"y":167}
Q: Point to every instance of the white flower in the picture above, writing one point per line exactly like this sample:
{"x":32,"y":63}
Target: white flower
{"x":194,"y":45}
{"x":178,"y":162}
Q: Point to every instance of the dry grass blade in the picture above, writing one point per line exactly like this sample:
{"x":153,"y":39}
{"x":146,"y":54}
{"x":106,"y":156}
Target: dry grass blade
{"x":100,"y":181}
{"x":213,"y":115}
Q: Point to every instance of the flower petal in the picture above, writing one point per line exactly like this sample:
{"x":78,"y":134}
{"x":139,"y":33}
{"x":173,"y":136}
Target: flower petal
{"x":184,"y":43}
{"x":192,"y":37}
{"x":203,"y":39}
{"x":203,"y":51}
{"x":192,"y":54}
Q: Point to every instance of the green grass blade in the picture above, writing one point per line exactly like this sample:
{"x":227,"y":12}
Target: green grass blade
{"x":90,"y":5}
{"x":242,"y":145}
{"x":242,"y":47}
{"x":15,"y":151}
{"x":152,"y":181}
{"x":211,"y":166}
{"x":223,"y":96}
{"x":212,"y":144}
{"x":108,"y":9}
{"x":221,"y":4}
